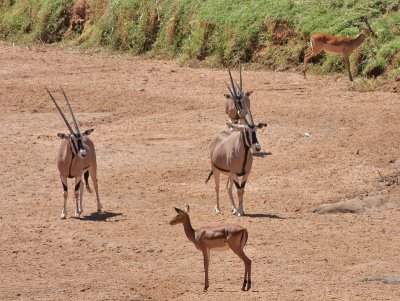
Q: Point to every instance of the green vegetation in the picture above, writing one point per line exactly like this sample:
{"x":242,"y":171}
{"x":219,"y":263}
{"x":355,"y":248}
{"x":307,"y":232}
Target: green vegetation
{"x":219,"y":32}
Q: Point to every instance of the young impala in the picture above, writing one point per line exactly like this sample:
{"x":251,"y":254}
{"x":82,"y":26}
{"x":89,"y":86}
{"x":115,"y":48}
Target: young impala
{"x":339,"y":45}
{"x":220,"y":238}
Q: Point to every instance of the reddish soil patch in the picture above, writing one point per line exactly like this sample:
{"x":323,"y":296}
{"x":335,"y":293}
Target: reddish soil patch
{"x":153,"y":123}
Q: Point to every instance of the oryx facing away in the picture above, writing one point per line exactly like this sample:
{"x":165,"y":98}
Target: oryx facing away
{"x":242,"y":102}
{"x":76,"y":157}
{"x":220,"y":238}
{"x":231,"y":154}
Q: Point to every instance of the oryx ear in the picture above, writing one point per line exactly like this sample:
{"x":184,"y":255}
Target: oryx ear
{"x":62,"y":136}
{"x":227,"y":96}
{"x":248,"y":93}
{"x":187,"y":208}
{"x":88,"y":132}
{"x":235,"y":126}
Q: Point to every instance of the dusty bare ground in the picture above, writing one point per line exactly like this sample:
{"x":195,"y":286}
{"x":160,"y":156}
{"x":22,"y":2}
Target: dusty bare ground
{"x":153,"y":123}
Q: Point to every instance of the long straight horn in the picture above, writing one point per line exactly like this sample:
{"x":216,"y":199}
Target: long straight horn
{"x":70,"y":110}
{"x":240,"y":80}
{"x":234,"y":98}
{"x":59,"y":110}
{"x":233,"y":85}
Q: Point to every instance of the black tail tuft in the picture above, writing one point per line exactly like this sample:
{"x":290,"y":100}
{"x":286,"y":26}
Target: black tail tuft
{"x":209,"y":176}
{"x":86,"y":176}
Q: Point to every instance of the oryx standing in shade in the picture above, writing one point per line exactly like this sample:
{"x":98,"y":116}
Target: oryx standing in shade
{"x":231,"y":152}
{"x":76,"y":157}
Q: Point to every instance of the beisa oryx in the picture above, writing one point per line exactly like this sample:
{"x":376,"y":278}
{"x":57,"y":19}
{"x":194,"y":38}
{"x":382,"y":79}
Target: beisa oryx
{"x":231,"y":152}
{"x":241,"y":103}
{"x":76,"y":157}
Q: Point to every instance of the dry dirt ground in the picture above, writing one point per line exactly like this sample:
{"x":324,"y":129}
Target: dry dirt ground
{"x":153,"y":123}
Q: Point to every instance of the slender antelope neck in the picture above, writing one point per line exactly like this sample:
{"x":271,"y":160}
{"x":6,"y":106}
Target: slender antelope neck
{"x":359,"y":40}
{"x":189,"y":231}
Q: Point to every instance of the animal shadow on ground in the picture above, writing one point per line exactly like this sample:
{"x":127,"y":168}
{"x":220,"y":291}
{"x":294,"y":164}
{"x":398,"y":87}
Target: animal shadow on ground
{"x":263,"y":215}
{"x":99,"y":217}
{"x":262,"y":154}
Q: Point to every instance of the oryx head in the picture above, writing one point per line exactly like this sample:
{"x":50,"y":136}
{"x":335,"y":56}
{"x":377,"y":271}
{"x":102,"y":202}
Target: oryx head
{"x":249,"y":133}
{"x":75,"y":138}
{"x":240,"y":98}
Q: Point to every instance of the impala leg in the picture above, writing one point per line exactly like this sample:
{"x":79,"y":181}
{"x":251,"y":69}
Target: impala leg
{"x":347,"y":64}
{"x":216,"y":180}
{"x":229,"y":186}
{"x":78,"y":209}
{"x":93,"y":175}
{"x":64,"y":182}
{"x":307,"y":57}
{"x":236,"y":247}
{"x":206,"y":258}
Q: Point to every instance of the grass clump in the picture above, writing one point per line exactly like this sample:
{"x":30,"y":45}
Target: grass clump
{"x":220,"y":32}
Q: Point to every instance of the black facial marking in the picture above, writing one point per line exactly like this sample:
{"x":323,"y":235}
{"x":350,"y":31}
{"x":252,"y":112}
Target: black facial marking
{"x":80,"y":145}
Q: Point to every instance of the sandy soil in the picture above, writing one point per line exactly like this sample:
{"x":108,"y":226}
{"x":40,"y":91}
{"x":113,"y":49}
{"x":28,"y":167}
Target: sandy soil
{"x":153,"y":123}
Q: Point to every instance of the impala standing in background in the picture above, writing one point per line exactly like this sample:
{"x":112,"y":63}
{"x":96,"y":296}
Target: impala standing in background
{"x":339,"y":45}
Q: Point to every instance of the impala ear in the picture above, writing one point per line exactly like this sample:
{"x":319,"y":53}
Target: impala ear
{"x":227,"y":96}
{"x":88,"y":132}
{"x":187,"y":208}
{"x":62,"y":135}
{"x":248,"y":93}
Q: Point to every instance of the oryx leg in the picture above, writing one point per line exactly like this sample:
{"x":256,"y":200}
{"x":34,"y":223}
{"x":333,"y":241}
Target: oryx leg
{"x":78,"y":196}
{"x":206,"y":258}
{"x":64,"y":182}
{"x":93,"y":175}
{"x":240,"y":190}
{"x":216,"y":180}
{"x":229,"y":186}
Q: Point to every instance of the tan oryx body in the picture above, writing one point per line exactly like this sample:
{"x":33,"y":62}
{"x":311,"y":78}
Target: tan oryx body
{"x":76,"y":157}
{"x":242,"y":103}
{"x":220,"y":238}
{"x":231,"y":152}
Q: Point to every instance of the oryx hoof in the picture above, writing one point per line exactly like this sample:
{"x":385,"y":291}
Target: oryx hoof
{"x":63,"y":216}
{"x":234,"y":211}
{"x":241,"y":213}
{"x":217,"y":210}
{"x":205,"y":288}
